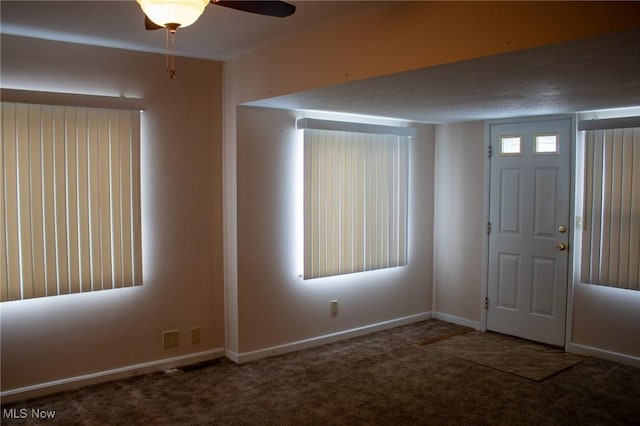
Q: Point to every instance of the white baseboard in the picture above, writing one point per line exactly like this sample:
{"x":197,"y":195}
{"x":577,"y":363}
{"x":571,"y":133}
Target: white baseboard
{"x":457,"y":320}
{"x":46,"y":388}
{"x":41,"y":389}
{"x":328,"y":338}
{"x":602,"y":353}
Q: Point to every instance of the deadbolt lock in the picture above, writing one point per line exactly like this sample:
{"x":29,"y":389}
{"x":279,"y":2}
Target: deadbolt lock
{"x":562,"y":229}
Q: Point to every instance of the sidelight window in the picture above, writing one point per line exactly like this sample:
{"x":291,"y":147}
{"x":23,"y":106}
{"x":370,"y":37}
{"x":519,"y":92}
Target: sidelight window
{"x":611,"y":217}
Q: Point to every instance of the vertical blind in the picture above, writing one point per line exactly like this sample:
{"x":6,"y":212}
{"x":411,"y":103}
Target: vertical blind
{"x":70,"y":213}
{"x":355,"y":201}
{"x":611,"y":237}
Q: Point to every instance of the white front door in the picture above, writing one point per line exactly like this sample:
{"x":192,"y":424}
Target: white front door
{"x":529,"y":229}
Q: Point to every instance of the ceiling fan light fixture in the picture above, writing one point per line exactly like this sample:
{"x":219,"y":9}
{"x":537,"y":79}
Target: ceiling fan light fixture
{"x":176,"y":12}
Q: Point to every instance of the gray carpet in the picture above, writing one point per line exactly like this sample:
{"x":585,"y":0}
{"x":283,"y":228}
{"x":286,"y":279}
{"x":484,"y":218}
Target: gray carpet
{"x":386,"y":378}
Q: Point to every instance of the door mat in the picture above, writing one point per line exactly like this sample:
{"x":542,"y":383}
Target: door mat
{"x":534,"y":361}
{"x":458,"y":330}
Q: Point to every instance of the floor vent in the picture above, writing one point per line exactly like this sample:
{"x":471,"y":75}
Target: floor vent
{"x":202,"y":364}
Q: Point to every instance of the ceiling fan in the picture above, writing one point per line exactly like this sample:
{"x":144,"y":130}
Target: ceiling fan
{"x":174,"y":14}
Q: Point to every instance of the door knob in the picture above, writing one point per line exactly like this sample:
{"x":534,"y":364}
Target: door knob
{"x":561,"y":246}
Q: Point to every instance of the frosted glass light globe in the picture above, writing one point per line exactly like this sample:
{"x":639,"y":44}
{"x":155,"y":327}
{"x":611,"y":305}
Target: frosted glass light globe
{"x":181,"y":12}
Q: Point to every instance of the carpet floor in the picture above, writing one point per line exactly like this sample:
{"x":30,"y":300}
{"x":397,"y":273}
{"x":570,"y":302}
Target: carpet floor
{"x":385,"y":378}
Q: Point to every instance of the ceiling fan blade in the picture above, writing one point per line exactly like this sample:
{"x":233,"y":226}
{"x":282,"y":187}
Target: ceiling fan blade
{"x":150,"y":25}
{"x":276,"y":8}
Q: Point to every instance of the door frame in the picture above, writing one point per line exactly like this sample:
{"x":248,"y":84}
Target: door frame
{"x":573,"y":268}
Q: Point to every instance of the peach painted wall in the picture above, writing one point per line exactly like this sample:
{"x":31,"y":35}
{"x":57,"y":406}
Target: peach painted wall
{"x":56,"y":338}
{"x":607,"y":319}
{"x":278,"y":307}
{"x":459,"y":211}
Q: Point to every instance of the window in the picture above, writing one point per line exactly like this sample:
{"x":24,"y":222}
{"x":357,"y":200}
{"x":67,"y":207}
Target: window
{"x":355,"y":197}
{"x":70,"y":194}
{"x":546,"y":144}
{"x":611,"y":217}
{"x":511,"y":145}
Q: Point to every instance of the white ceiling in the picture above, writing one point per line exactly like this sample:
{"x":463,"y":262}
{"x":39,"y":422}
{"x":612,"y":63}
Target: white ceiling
{"x":584,"y":75}
{"x":589,"y":74}
{"x":220,"y":33}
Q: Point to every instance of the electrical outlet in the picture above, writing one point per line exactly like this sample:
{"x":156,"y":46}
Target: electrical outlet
{"x":170,"y":338}
{"x":195,"y":335}
{"x":334,"y":308}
